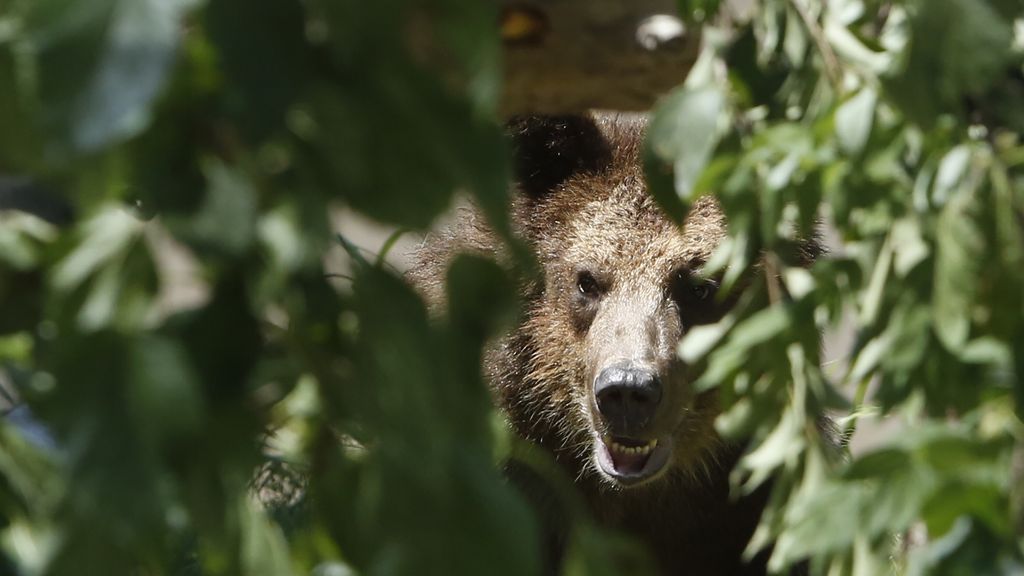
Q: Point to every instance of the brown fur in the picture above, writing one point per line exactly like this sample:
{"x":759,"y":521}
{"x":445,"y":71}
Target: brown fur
{"x":582,"y":205}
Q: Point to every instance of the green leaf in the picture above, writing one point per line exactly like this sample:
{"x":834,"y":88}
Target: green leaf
{"x":162,"y":375}
{"x":280,"y":234}
{"x":958,"y":48}
{"x":960,"y":250}
{"x":262,"y":52}
{"x":467,"y":28}
{"x":390,"y":110}
{"x":854,"y":119}
{"x":114,"y":469}
{"x":22,"y":238}
{"x":480,"y":298}
{"x":953,"y":452}
{"x":951,"y":172}
{"x":822,"y":520}
{"x":264,"y":549}
{"x":424,"y":394}
{"x":909,"y":246}
{"x":32,"y":477}
{"x":698,"y":341}
{"x":783,"y":445}
{"x":20,"y":144}
{"x":878,"y":464}
{"x":226,"y":220}
{"x":873,"y":295}
{"x":101,"y":65}
{"x":956,"y":500}
{"x":404,"y":117}
{"x":897,"y":500}
{"x":794,"y":45}
{"x":761,"y":327}
{"x":906,"y":338}
{"x":682,"y":134}
{"x":592,"y":552}
{"x":109,"y":278}
{"x":106,"y":236}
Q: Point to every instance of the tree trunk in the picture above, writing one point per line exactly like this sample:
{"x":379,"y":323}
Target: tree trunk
{"x":565,"y":56}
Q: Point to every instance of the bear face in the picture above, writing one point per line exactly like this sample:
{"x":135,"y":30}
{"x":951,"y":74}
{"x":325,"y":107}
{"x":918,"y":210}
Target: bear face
{"x":590,"y":373}
{"x":621,"y":285}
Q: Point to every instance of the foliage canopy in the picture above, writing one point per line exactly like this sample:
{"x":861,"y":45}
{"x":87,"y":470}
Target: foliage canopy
{"x":228,"y":127}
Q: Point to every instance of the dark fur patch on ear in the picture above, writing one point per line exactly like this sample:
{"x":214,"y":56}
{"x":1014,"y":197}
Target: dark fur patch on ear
{"x":550,"y":149}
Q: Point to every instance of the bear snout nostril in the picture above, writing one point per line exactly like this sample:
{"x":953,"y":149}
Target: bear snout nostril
{"x":627,"y":398}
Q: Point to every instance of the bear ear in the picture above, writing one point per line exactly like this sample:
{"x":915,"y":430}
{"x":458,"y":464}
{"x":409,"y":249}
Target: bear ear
{"x":550,"y":149}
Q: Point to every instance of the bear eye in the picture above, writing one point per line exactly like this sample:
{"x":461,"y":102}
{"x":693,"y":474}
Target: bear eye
{"x":703,"y":291}
{"x":587,"y":285}
{"x":687,"y":288}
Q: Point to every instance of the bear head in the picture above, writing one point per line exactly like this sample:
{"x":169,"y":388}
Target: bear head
{"x":592,"y":372}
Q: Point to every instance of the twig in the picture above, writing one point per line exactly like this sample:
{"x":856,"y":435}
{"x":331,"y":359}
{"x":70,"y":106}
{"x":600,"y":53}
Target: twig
{"x":772,"y":279}
{"x":828,"y":57}
{"x":859,"y":400}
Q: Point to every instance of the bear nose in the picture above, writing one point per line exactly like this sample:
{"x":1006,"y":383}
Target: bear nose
{"x":627,"y":398}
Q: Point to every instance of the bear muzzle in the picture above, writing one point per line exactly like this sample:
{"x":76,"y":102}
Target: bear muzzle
{"x":627,"y":398}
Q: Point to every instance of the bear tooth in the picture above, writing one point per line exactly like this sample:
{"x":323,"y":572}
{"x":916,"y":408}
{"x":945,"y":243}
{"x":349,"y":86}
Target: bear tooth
{"x":634,"y":450}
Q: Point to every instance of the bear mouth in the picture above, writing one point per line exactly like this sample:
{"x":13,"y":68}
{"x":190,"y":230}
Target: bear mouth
{"x":630,"y":462}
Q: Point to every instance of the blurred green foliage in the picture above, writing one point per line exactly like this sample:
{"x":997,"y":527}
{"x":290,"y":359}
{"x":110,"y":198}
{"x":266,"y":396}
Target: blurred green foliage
{"x":281,"y":424}
{"x":897,"y":122}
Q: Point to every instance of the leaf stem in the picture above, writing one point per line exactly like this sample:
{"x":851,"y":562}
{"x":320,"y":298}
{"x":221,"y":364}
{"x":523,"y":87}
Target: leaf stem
{"x":772,"y":279}
{"x":859,"y":397}
{"x":831,"y":64}
{"x":389,"y":244}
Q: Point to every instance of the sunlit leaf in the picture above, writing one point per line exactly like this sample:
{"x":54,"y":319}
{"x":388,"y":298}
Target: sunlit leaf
{"x":264,"y":549}
{"x":683,"y":132}
{"x":227,"y":218}
{"x":202,"y":395}
{"x":102,"y":64}
{"x":854,"y":119}
{"x":959,"y":250}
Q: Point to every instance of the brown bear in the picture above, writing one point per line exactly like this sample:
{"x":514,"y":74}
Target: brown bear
{"x":591,"y":373}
